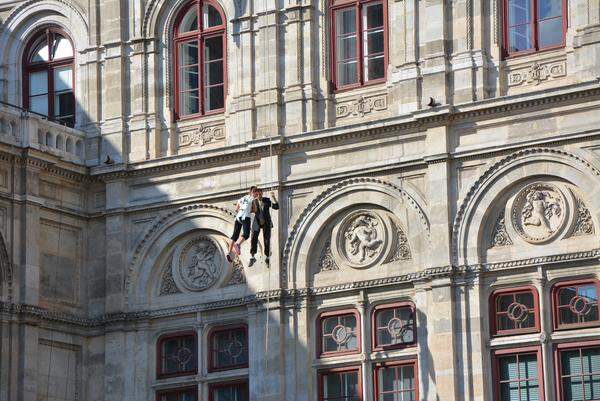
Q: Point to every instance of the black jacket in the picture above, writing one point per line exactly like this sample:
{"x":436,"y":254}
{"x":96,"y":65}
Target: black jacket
{"x":263,"y":218}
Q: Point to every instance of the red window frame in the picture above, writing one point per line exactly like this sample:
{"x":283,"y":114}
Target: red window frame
{"x":517,"y":351}
{"x":514,"y":291}
{"x":555,"y":306}
{"x":336,"y":5}
{"x":221,"y":329}
{"x":380,"y":308}
{"x":48,"y":66}
{"x":558,"y":349}
{"x":159,"y":354}
{"x":534,"y":30}
{"x":200,"y":35}
{"x":213,"y":386}
{"x":178,"y":391}
{"x":319,"y":336}
{"x":396,"y":364}
{"x":322,"y":373}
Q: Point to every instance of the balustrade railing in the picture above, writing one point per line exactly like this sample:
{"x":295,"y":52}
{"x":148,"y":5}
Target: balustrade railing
{"x":21,"y":128}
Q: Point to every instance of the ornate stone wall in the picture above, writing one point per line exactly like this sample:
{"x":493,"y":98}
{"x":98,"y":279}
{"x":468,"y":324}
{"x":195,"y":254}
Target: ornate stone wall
{"x":462,"y":175}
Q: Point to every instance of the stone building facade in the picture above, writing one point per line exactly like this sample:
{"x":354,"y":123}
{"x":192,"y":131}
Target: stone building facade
{"x":438,"y":171}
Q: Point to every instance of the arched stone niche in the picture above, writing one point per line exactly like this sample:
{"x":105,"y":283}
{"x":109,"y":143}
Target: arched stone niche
{"x":181,"y":261}
{"x":351,"y":219}
{"x":534,"y":203}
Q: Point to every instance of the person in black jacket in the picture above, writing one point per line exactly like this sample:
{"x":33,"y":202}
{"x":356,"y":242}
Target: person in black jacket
{"x":262,"y":221}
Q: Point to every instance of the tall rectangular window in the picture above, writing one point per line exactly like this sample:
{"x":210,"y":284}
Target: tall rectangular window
{"x":397,"y":382}
{"x":359,"y":41}
{"x":532,"y":25}
{"x":340,"y":385}
{"x":518,"y":375}
{"x":237,"y":391}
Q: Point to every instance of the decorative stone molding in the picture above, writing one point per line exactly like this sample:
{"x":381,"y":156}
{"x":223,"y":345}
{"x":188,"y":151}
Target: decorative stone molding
{"x":500,"y":236}
{"x":202,"y":136}
{"x":326,"y":261}
{"x":481,"y":183}
{"x":584,"y":224}
{"x":321,"y":198}
{"x":157,"y":228}
{"x":237,"y":276}
{"x":402,"y":249}
{"x":537,"y":73}
{"x":361,"y":106}
{"x":167,"y":283}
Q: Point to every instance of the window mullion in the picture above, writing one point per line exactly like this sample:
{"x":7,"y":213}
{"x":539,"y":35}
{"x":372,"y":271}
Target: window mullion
{"x":359,"y":43}
{"x":534,"y":25}
{"x":201,"y":80}
{"x":50,"y":92}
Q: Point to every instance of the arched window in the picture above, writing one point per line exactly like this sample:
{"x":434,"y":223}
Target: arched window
{"x":533,"y":25}
{"x":199,"y":59}
{"x":359,"y":41}
{"x":48,"y":78}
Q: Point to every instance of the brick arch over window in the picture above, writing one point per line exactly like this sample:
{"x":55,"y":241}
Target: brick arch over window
{"x":546,"y":163}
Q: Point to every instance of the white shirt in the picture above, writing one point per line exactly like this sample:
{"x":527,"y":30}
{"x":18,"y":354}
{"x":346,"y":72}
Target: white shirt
{"x":245,"y":208}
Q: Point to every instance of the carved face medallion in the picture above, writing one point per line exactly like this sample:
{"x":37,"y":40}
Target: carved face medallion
{"x":539,"y":212}
{"x":199,"y":263}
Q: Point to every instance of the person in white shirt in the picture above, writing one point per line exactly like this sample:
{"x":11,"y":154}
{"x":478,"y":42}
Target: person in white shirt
{"x":244,"y":209}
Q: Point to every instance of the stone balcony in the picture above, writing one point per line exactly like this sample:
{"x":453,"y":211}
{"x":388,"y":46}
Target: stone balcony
{"x":23,"y":129}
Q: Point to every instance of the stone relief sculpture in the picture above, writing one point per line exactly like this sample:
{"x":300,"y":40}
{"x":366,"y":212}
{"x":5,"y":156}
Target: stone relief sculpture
{"x":500,"y":236}
{"x":199,"y":263}
{"x":238,"y":276}
{"x":539,"y":212}
{"x":584,"y":224}
{"x":361,"y":237}
{"x":167,"y":283}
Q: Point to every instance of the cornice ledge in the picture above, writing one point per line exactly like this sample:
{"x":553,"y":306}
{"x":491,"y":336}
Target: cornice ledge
{"x":590,"y":256}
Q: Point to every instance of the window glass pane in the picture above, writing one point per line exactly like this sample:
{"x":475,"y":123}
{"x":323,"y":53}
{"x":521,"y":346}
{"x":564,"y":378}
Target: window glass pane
{"x":230,"y":348}
{"x":408,"y":378}
{"x":578,"y":304}
{"x":332,"y":386}
{"x":39,"y":104}
{"x":61,"y":48}
{"x":189,"y":78}
{"x":211,"y":16}
{"x":189,"y":22}
{"x":374,"y":42}
{"x":551,"y":32}
{"x":236,"y":392}
{"x":178,"y":355}
{"x":188,"y":53}
{"x":525,"y":298}
{"x":508,"y":368}
{"x":189,"y":395}
{"x":340,"y":386}
{"x":573,"y":388}
{"x":570,"y":362}
{"x":530,"y":390}
{"x":395,"y":326}
{"x":63,"y":79}
{"x":594,"y":393}
{"x":591,"y":360}
{"x":38,"y":83}
{"x":339,"y":333}
{"x":519,"y":38}
{"x":565,"y":295}
{"x":549,"y":8}
{"x":374,"y":68}
{"x":215,"y":98}
{"x":528,"y":367}
{"x":64,"y":107}
{"x":345,"y":21}
{"x":519,"y":12}
{"x":40,"y":51}
{"x":347,"y":73}
{"x":509,"y":391}
{"x":350,"y":381}
{"x":373,"y":16}
{"x":213,"y":48}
